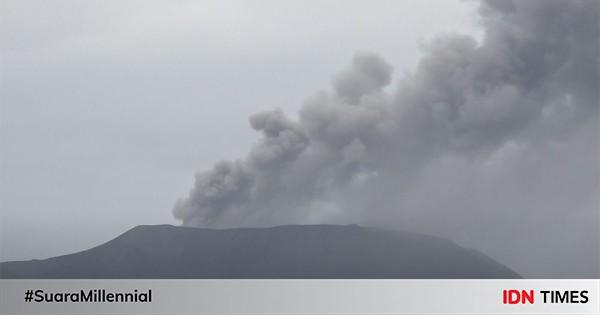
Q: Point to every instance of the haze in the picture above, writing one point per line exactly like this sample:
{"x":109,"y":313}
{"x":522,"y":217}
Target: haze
{"x":109,"y":108}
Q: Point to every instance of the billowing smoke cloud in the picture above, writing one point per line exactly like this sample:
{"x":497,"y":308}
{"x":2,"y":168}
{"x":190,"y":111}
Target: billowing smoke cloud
{"x":468,"y":146}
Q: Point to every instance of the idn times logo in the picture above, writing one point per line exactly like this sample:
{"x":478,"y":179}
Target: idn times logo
{"x":514,"y":296}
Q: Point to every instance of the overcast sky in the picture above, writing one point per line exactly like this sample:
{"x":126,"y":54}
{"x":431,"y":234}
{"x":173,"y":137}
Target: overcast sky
{"x":109,"y":108}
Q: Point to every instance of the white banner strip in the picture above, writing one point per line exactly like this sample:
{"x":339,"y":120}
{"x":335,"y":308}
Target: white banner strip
{"x":299,"y":296}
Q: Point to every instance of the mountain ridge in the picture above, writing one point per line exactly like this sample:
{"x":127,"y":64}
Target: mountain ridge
{"x":287,"y":251}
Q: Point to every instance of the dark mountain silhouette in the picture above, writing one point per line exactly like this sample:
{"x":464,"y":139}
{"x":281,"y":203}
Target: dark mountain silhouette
{"x":293,"y":251}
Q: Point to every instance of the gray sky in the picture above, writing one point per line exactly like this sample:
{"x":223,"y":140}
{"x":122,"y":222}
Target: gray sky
{"x":109,"y":108}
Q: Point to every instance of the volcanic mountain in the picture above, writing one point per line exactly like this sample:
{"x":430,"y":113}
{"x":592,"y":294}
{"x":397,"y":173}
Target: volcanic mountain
{"x":291,"y":251}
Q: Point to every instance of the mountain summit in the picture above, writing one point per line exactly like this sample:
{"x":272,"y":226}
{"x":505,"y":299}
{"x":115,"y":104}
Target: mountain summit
{"x":291,"y":251}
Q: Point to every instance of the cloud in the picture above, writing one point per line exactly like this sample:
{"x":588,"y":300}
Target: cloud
{"x":491,"y":109}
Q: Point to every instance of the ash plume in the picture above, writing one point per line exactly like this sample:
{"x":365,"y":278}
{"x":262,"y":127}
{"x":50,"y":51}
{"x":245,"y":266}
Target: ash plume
{"x":482,"y":133}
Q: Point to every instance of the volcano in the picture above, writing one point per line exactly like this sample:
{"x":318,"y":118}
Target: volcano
{"x":282,"y":252}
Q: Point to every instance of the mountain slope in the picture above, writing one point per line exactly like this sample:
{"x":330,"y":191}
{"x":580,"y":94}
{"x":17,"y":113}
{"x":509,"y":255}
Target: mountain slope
{"x":293,"y":251}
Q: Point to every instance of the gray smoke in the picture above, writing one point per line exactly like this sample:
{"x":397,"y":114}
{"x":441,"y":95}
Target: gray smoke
{"x":484,"y":143}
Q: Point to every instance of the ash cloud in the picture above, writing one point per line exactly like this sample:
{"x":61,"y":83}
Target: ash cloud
{"x":485,"y":143}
